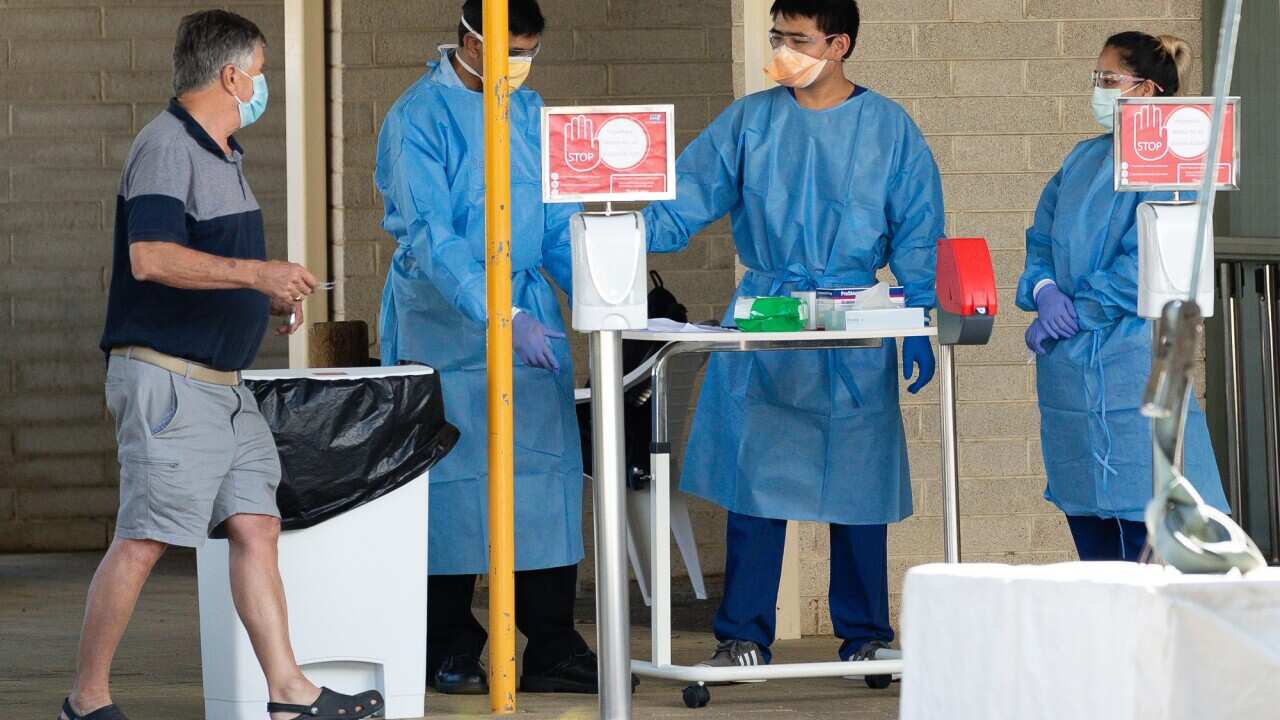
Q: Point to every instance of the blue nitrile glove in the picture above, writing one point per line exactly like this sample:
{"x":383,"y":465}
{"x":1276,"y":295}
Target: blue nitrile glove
{"x":1057,"y":312}
{"x":1037,"y":335}
{"x":532,"y":342}
{"x":917,"y":352}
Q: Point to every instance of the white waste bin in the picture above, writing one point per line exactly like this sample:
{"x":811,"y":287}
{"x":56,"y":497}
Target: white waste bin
{"x":355,"y":577}
{"x":357,"y":592}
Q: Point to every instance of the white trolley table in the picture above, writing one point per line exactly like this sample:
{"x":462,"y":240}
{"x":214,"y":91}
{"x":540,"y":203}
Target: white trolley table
{"x":610,"y":433}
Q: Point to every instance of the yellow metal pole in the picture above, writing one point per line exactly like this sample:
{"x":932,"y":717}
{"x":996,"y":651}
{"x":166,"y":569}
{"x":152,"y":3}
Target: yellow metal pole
{"x":497,"y":163}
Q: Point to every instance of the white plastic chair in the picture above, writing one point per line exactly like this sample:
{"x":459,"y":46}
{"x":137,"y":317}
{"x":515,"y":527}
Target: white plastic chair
{"x":639,"y":542}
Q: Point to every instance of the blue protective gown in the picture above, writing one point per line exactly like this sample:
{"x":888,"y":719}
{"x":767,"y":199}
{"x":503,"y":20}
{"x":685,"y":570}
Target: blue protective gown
{"x":1097,"y":445}
{"x":430,"y":172}
{"x":817,"y":199}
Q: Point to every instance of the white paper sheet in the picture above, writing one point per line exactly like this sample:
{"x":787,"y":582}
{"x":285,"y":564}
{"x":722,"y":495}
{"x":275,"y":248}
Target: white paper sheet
{"x":663,"y":325}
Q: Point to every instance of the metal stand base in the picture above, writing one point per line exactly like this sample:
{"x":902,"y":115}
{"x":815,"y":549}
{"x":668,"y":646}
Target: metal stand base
{"x":608,"y":422}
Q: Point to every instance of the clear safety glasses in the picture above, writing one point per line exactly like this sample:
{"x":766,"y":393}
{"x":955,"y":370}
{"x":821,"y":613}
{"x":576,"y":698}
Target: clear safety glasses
{"x":795,"y":41}
{"x":1109,"y":80}
{"x":529,"y":54}
{"x":526,"y":54}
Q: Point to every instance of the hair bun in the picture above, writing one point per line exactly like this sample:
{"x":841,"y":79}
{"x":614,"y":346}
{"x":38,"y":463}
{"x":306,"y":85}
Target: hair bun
{"x":1179,"y":51}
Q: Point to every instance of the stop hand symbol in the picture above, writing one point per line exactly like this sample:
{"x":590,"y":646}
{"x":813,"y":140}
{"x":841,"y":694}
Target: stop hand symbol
{"x":581,"y":149}
{"x":1150,"y":133}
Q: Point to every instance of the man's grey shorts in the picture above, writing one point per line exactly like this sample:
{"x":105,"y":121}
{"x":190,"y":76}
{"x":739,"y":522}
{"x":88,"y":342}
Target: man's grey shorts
{"x":192,"y":454}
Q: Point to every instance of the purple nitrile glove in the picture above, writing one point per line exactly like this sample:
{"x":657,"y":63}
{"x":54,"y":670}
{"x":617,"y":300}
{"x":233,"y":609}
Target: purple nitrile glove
{"x":1057,"y":312}
{"x":532,"y":342}
{"x":1037,"y":335}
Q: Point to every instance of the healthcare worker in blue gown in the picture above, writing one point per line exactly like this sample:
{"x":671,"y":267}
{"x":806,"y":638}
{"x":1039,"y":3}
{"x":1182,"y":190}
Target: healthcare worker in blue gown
{"x":826,"y":183}
{"x":430,"y":171}
{"x":1093,"y":352}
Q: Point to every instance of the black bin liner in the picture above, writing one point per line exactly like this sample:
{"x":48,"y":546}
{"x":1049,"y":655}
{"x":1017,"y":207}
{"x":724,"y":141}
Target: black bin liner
{"x":347,"y":442}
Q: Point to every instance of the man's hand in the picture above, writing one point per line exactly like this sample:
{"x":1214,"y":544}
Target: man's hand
{"x":285,"y":283}
{"x":291,"y":310}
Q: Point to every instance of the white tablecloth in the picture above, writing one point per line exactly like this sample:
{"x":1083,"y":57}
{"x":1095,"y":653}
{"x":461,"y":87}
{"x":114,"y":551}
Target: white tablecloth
{"x":1085,"y":641}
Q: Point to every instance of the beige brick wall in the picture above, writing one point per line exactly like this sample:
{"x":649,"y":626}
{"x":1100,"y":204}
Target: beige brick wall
{"x":1000,"y":89}
{"x":77,"y":81}
{"x":594,"y":52}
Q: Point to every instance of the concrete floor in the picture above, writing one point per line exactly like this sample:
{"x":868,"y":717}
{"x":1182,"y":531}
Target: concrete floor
{"x":157,"y":672}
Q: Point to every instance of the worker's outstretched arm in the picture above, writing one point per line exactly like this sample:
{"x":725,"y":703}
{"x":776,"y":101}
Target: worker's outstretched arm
{"x":557,"y":250}
{"x":1039,"y":265}
{"x":917,"y":221}
{"x":411,"y":176}
{"x":709,"y":185}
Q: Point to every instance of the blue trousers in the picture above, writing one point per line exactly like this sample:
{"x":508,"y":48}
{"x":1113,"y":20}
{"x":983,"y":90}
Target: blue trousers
{"x":1107,"y":538}
{"x":859,"y":590}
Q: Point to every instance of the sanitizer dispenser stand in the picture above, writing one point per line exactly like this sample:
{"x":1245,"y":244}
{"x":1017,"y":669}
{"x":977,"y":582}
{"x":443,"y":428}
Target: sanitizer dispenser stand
{"x":1166,"y":245}
{"x":610,"y":283}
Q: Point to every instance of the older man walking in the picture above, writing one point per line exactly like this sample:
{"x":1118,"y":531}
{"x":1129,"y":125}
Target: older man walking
{"x":190,"y":295}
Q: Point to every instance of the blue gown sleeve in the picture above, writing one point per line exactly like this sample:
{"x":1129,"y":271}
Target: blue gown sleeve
{"x":916,"y":222}
{"x":416,"y":182}
{"x":1039,"y":264}
{"x":1108,"y":294}
{"x":708,"y":186}
{"x":557,"y":251}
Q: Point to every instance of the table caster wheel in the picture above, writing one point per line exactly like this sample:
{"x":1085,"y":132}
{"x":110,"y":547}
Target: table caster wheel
{"x":697,"y":696}
{"x":878,"y":682}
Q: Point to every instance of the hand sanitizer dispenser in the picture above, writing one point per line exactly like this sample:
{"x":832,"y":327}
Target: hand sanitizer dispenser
{"x":1166,"y":248}
{"x":610,"y":272}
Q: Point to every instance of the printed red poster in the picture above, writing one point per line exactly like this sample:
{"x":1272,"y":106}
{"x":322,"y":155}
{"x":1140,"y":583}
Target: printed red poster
{"x":1161,"y":144}
{"x":606,"y":154}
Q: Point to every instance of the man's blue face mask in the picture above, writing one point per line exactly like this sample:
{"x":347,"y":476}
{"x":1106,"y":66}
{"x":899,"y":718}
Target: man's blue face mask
{"x":253,"y":109}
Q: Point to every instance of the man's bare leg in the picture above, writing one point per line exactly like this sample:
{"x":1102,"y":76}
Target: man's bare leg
{"x":112,"y":597}
{"x":259,"y":597}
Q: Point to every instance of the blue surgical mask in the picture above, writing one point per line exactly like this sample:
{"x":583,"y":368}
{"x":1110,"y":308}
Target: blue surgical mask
{"x":257,"y":105}
{"x":1104,"y":105}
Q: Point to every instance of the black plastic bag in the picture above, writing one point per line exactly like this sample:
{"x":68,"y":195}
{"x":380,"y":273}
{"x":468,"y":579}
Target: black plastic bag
{"x":636,"y":402}
{"x":344,"y":443}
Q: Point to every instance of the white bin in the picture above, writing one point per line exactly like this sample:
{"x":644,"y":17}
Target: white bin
{"x":357,"y":592}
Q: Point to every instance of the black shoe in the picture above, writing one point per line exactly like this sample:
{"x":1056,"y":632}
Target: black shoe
{"x":575,"y":674}
{"x":461,"y":675}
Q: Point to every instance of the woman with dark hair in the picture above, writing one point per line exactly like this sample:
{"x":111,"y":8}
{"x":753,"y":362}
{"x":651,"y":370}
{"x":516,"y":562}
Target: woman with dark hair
{"x":1093,"y":352}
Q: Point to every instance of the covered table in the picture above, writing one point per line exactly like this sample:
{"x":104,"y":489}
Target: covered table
{"x":1089,"y":640}
{"x":355,"y":449}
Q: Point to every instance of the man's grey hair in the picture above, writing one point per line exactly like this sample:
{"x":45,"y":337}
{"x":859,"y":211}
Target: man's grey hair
{"x":209,"y":41}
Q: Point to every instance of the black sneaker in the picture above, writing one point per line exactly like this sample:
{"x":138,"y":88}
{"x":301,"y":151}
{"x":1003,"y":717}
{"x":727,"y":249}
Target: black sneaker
{"x":579,"y":673}
{"x":461,"y":675}
{"x":875,"y":650}
{"x":736,"y":653}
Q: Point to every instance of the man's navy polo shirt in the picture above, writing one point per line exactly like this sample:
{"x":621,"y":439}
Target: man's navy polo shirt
{"x":178,"y":186}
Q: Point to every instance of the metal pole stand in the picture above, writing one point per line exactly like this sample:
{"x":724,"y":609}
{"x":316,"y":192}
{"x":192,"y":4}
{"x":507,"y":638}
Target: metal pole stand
{"x":950,"y":455}
{"x":613,"y":612}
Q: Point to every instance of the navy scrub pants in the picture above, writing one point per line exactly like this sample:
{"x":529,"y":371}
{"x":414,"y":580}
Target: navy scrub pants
{"x":859,"y":591}
{"x":1107,"y":538}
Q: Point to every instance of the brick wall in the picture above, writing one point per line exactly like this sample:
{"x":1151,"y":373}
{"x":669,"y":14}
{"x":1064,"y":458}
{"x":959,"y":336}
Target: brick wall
{"x":594,"y":52}
{"x":998,"y":86}
{"x":77,"y":81}
{"x":1000,"y":89}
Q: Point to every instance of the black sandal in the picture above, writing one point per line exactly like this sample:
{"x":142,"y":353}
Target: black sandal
{"x":330,"y":706}
{"x":110,"y":712}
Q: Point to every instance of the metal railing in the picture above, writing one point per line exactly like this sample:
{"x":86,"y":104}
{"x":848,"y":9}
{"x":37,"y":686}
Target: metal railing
{"x":1248,"y":292}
